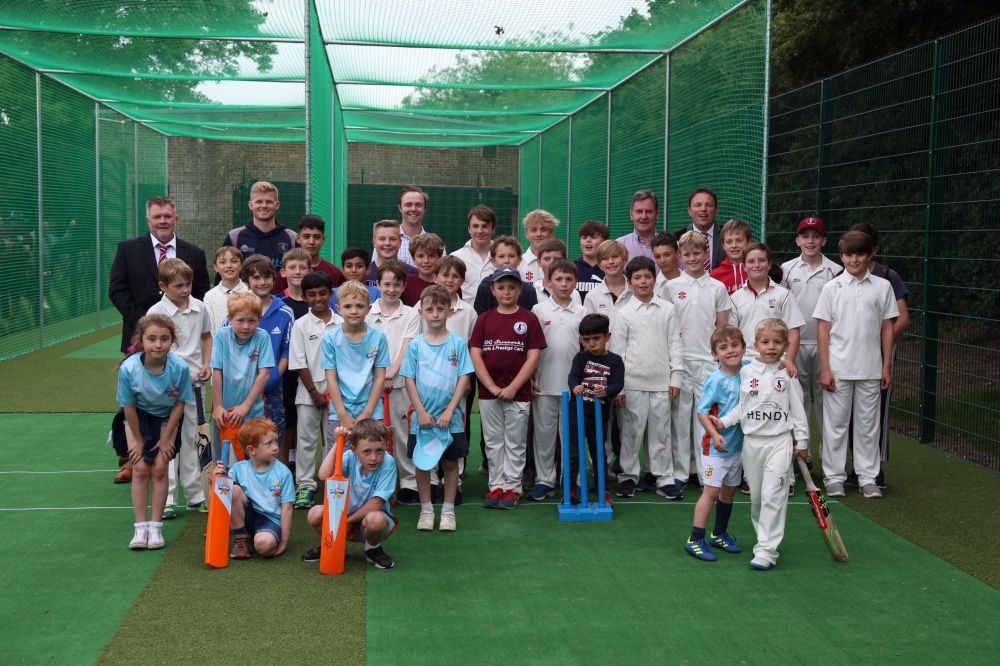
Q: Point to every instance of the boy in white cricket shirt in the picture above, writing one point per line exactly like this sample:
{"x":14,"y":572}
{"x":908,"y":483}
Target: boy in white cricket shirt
{"x":774,"y":425}
{"x":400,"y":323}
{"x":305,"y":356}
{"x":560,"y":316}
{"x":804,"y":277}
{"x":647,"y":337}
{"x":701,"y":305}
{"x":854,"y":316}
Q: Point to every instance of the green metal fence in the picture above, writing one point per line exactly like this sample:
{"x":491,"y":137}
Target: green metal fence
{"x":911,"y":144}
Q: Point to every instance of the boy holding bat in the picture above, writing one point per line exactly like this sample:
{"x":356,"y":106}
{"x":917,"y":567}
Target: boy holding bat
{"x":372,"y":476}
{"x":263,"y":492}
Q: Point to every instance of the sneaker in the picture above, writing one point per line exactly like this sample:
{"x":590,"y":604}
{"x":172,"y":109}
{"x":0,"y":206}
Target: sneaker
{"x":138,"y":541}
{"x":426,"y":521}
{"x":447,"y":523}
{"x":493,"y":498}
{"x":626,"y":488}
{"x":540,"y":492}
{"x":169,"y":512}
{"x":311,"y":555}
{"x":642,"y":485}
{"x":407,"y":496}
{"x":700,"y":549}
{"x":379,"y":558}
{"x":509,"y":500}
{"x":484,"y":470}
{"x":694,"y":481}
{"x":871,"y":491}
{"x":304,"y":498}
{"x":241,"y":549}
{"x":760,"y":564}
{"x":880,"y":480}
{"x":791,"y":490}
{"x":670,"y":492}
{"x":200,"y":507}
{"x":458,"y":497}
{"x":155,"y":538}
{"x":607,"y":498}
{"x":835,"y":489}
{"x":725,"y":541}
{"x":574,"y":496}
{"x":528,"y":478}
{"x":851,"y":480}
{"x":745,"y":487}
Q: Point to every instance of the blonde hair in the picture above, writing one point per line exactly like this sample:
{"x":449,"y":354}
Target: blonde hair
{"x":771,"y":325}
{"x":540,"y":218}
{"x":263,"y":186}
{"x":611,"y":248}
{"x":692,"y":240}
{"x":296,"y":254}
{"x":353,"y":289}
{"x":384,"y":224}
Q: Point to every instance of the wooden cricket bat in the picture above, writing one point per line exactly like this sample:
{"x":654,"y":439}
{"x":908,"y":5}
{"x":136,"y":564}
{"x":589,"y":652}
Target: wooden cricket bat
{"x":387,"y":420}
{"x":220,"y":507}
{"x":333,"y":547}
{"x":817,"y":502}
{"x":203,"y":441}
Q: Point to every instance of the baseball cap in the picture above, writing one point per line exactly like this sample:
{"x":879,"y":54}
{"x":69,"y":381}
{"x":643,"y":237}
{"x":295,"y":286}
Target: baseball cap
{"x":812,"y":223}
{"x":504,"y":271}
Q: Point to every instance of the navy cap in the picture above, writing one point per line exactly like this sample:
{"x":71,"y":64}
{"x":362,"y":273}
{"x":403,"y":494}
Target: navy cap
{"x":505,"y":271}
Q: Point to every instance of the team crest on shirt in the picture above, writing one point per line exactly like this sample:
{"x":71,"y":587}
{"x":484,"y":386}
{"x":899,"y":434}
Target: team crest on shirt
{"x":548,"y":322}
{"x":372,"y":354}
{"x":754,"y":383}
{"x":779,"y":384}
{"x":529,"y":276}
{"x":173,"y":391}
{"x":283,"y":247}
{"x":275,"y":489}
{"x":772,"y":302}
{"x":709,"y":470}
{"x":521,"y":327}
{"x":453,"y":358}
{"x":681,"y":295}
{"x":254,"y":355}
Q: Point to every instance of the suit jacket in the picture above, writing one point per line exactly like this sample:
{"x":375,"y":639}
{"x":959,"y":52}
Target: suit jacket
{"x":718,"y":254}
{"x":135,"y":284}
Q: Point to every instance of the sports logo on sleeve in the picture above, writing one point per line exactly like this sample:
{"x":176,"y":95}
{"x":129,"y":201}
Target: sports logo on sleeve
{"x":521,"y":327}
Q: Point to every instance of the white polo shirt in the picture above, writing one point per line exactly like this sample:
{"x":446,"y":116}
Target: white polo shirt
{"x":749,"y":308}
{"x":600,"y":301}
{"x":477,"y":268}
{"x":217,"y":302}
{"x":696,"y":303}
{"x":402,"y":324}
{"x":305,"y":350}
{"x":561,"y":327}
{"x":806,"y":285}
{"x":529,"y":266}
{"x":856,"y":309}
{"x":190,"y":324}
{"x":460,"y":322}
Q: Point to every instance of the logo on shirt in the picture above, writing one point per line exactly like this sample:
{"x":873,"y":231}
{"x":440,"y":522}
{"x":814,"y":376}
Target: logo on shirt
{"x":521,"y":327}
{"x":372,"y":354}
{"x":275,"y":331}
{"x":772,"y":302}
{"x":254,"y":355}
{"x":453,"y":357}
{"x":779,"y":384}
{"x":275,"y":489}
{"x":682,"y":295}
{"x":283,"y":247}
{"x":529,"y":276}
{"x":173,"y":391}
{"x":378,"y":320}
{"x":548,"y":322}
{"x":754,"y":383}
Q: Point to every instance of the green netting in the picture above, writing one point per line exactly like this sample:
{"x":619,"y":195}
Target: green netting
{"x":555,"y":176}
{"x":530,"y":175}
{"x":589,"y":181}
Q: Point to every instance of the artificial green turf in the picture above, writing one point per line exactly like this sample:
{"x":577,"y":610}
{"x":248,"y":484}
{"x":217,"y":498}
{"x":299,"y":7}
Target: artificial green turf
{"x":104,"y":349}
{"x":67,"y":575}
{"x":521,"y":587}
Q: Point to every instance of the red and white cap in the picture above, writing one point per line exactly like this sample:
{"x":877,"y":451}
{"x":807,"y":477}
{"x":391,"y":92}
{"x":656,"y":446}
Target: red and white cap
{"x":812,"y":223}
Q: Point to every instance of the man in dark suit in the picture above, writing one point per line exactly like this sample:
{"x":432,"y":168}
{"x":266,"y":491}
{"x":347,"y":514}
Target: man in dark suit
{"x":135,"y":280}
{"x":703,"y":205}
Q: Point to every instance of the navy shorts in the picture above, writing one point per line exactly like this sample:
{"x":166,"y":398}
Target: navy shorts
{"x":458,"y":449}
{"x":255,"y":522}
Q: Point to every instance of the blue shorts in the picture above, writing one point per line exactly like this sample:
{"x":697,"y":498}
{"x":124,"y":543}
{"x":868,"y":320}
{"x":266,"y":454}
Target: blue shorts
{"x":458,"y":449}
{"x":255,"y":522}
{"x":274,"y":409}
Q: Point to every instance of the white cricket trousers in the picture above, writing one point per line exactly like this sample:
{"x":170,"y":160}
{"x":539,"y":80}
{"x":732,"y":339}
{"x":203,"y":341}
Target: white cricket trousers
{"x":546,"y":414}
{"x":766,"y":464}
{"x":311,"y":430}
{"x":862,"y":396}
{"x":505,"y":429}
{"x":185,"y":464}
{"x":647,"y":413}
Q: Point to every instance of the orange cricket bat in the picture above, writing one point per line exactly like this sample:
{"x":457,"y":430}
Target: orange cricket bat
{"x":387,"y":420}
{"x":231,"y":433}
{"x":220,"y":506}
{"x":333,"y":548}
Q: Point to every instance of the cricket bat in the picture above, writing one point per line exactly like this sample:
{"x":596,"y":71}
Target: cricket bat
{"x":387,"y":420}
{"x":817,"y":502}
{"x":220,"y":507}
{"x":333,"y":548}
{"x":203,"y":440}
{"x":231,"y":434}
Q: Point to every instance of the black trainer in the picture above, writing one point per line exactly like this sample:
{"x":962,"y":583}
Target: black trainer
{"x":311,"y":555}
{"x":626,"y":488}
{"x":379,"y":558}
{"x":407,"y":496}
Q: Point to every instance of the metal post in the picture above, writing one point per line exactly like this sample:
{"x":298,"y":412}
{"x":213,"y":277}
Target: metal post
{"x":825,"y":149}
{"x":765,"y":111}
{"x":97,"y":212}
{"x":135,"y":176}
{"x":41,"y":230}
{"x":666,"y":144}
{"x":541,"y":138}
{"x":607,"y":185}
{"x":308,"y":65}
{"x":569,"y":181}
{"x":932,"y":263}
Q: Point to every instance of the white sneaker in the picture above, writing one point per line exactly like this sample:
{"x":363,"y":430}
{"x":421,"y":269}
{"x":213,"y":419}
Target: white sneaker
{"x":139,"y":539}
{"x":871,"y":491}
{"x":426,"y":521}
{"x":155,"y":539}
{"x":447,"y":522}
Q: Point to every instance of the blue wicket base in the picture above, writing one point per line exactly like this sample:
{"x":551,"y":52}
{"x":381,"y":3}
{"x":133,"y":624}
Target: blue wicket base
{"x":585,"y":511}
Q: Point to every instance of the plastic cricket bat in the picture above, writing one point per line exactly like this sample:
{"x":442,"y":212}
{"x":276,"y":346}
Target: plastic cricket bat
{"x":817,"y":502}
{"x":231,"y":433}
{"x":220,"y":507}
{"x":387,"y":420}
{"x":333,"y":547}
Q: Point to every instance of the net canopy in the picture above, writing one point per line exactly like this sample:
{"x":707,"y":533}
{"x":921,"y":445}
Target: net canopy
{"x":423,"y":72}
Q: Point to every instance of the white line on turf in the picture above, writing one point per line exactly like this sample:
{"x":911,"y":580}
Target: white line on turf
{"x":64,"y":508}
{"x":61,"y":471}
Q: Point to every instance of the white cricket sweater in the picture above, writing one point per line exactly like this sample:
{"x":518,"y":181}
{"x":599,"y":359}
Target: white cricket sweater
{"x":770,"y":404}
{"x":647,"y":337}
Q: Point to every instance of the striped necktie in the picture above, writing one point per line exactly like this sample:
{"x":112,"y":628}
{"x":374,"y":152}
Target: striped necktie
{"x":163,"y":252}
{"x":708,"y":251}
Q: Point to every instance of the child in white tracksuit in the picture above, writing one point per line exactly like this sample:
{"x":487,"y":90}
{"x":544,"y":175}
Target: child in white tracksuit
{"x":773,"y":421}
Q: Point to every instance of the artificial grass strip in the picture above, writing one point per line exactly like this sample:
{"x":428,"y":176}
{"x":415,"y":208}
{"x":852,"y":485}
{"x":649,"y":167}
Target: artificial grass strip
{"x":107,"y":348}
{"x":521,"y":587}
{"x":43,"y":381}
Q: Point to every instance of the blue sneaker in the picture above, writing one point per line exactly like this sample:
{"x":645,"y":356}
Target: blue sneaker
{"x":642,"y":486}
{"x":725,"y":541}
{"x":700,"y":549}
{"x":540,"y":492}
{"x":760,"y":564}
{"x":669,"y":491}
{"x":169,"y":512}
{"x":493,"y":498}
{"x":508,"y":500}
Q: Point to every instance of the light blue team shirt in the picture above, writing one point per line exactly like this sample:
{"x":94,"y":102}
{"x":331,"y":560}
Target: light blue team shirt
{"x":154,"y":393}
{"x":380,"y":483}
{"x":719,"y":396}
{"x":267,"y":490}
{"x":436,"y":370}
{"x":240,"y":363}
{"x":355,"y":363}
